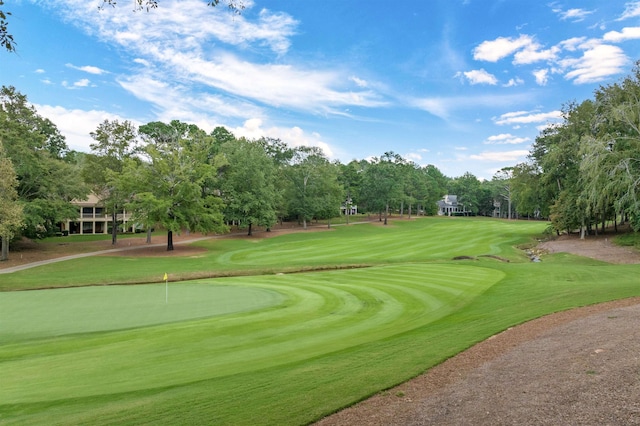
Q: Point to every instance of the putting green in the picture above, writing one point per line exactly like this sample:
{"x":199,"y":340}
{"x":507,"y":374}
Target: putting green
{"x":47,"y":313}
{"x":293,"y":317}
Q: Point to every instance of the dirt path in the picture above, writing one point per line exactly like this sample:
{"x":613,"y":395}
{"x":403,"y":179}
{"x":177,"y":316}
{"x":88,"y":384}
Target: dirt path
{"x":578,"y":367}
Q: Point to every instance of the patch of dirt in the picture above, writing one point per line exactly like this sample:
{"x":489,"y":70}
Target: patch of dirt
{"x":597,"y":247}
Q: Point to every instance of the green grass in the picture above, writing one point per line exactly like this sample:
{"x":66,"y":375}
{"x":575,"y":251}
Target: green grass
{"x":277,"y":348}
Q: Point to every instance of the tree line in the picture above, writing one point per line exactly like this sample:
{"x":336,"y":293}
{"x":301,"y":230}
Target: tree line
{"x":177,"y":177}
{"x":580,"y":174}
{"x":585,"y":171}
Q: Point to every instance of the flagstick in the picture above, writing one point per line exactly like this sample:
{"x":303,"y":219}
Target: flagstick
{"x":166,"y":288}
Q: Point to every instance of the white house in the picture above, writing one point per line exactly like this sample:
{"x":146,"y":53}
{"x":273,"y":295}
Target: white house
{"x":92,"y":218}
{"x":449,"y":206}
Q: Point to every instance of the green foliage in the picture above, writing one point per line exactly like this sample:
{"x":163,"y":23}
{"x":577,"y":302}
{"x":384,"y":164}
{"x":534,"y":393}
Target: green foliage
{"x":174,"y":187}
{"x":46,"y":182}
{"x":11,"y":211}
{"x":248,"y":184}
{"x":6,"y":39}
{"x":312,"y":189}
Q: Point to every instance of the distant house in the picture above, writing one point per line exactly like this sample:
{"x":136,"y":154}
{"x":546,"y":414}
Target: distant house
{"x":92,"y":218}
{"x":449,"y":206}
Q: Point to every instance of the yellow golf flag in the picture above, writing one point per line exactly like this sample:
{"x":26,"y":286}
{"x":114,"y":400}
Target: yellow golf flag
{"x":166,"y":277}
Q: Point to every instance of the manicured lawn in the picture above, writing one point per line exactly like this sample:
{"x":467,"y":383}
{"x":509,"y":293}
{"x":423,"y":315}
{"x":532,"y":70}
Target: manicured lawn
{"x":275,"y":348}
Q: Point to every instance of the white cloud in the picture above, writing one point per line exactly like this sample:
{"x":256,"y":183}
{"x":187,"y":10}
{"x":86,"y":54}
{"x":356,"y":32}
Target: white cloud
{"x":84,"y":82}
{"x":494,"y":50}
{"x":542,"y":76}
{"x":76,"y":124}
{"x":505,"y":139}
{"x":413,"y":156}
{"x":628,"y":33}
{"x":480,"y":77}
{"x":88,"y":69}
{"x":504,"y":156}
{"x":39,"y":71}
{"x":293,"y":137}
{"x":632,"y":10}
{"x":173,"y":102}
{"x":186,"y":42}
{"x":533,"y":53}
{"x":514,"y":82}
{"x":575,"y":15}
{"x":444,"y":107}
{"x":526,"y":117}
{"x":596,"y":64}
{"x":573,"y":44}
{"x":359,"y":82}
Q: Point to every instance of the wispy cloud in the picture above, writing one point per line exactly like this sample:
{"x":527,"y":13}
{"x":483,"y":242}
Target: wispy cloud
{"x":88,"y":69}
{"x":186,"y":40}
{"x":574,"y":15}
{"x":632,"y":10}
{"x":514,"y":82}
{"x":505,"y":139}
{"x":445,"y":107}
{"x":527,"y":117}
{"x":84,"y":82}
{"x":501,"y":156}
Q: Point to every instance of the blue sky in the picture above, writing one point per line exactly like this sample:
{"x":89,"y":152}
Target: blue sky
{"x":465,"y":85}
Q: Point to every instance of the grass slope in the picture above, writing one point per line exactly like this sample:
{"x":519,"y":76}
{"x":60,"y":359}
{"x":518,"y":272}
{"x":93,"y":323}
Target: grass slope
{"x":325,"y":339}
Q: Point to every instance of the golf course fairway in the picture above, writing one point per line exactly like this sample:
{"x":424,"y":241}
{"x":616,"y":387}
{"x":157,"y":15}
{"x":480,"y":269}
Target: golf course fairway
{"x":293,"y":328}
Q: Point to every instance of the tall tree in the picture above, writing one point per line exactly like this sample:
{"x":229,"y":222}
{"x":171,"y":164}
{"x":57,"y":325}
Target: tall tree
{"x":46,"y":182}
{"x":350,"y":177}
{"x":10,"y":208}
{"x":310,"y":185}
{"x":175,"y":189}
{"x":503,"y":181}
{"x":382,"y":183}
{"x":470,"y":193}
{"x":114,"y":143}
{"x":248,"y":184}
{"x":527,"y":191}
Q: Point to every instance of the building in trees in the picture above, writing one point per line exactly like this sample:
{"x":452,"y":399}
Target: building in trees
{"x":93,"y":219}
{"x":449,"y":206}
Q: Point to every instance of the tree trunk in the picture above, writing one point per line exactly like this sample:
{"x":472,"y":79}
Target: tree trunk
{"x":114,"y":227}
{"x":4,"y":252}
{"x":249,"y":233}
{"x":386,"y":213}
{"x":304,"y":223}
{"x":409,"y":210}
{"x":169,"y":240}
{"x":149,"y":236}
